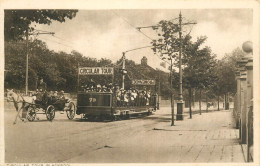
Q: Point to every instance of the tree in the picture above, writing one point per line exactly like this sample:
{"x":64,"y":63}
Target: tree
{"x":199,"y":64}
{"x":14,"y":64}
{"x":225,"y":70}
{"x":167,"y":46}
{"x":16,"y":22}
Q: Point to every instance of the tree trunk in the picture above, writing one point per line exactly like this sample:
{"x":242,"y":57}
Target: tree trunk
{"x":206,"y":102}
{"x":224,"y":103}
{"x":194,"y":92}
{"x":218,"y":102}
{"x":200,"y":102}
{"x":190,"y":102}
{"x":172,"y":109}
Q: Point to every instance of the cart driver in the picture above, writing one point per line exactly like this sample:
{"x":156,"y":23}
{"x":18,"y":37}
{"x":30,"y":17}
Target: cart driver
{"x":42,"y":96}
{"x":42,"y":86}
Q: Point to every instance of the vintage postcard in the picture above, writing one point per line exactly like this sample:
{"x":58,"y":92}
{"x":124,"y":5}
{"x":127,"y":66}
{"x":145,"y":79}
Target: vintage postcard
{"x":129,"y":82}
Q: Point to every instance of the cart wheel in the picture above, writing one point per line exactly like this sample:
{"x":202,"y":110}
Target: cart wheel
{"x":31,"y":114}
{"x":50,"y":112}
{"x":71,"y":110}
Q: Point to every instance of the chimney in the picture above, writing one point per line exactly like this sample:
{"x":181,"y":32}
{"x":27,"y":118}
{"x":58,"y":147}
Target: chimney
{"x":144,"y":61}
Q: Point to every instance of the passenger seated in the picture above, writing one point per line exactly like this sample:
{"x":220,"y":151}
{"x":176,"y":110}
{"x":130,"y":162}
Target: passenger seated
{"x":134,"y":96}
{"x":104,"y":88}
{"x":60,"y":100}
{"x":61,"y":95}
{"x":118,"y":96}
{"x":126,"y":99}
{"x":92,"y":84}
{"x":98,"y":88}
{"x":122,"y":97}
{"x":55,"y":94}
{"x":110,"y":87}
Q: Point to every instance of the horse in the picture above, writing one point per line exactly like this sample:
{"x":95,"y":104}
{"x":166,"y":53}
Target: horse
{"x":20,"y":102}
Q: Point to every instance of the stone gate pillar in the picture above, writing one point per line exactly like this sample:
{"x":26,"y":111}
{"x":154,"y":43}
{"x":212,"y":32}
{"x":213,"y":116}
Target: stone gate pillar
{"x":237,"y":110}
{"x":243,"y":105}
{"x":248,"y":49}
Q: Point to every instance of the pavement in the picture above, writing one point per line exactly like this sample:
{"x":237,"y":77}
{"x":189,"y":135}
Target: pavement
{"x":207,"y":138}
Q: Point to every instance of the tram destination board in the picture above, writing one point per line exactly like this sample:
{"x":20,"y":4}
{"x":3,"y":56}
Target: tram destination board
{"x":143,"y":82}
{"x":96,"y":71}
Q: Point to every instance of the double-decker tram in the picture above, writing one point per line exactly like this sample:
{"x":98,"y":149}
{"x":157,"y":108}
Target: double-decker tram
{"x":99,"y":98}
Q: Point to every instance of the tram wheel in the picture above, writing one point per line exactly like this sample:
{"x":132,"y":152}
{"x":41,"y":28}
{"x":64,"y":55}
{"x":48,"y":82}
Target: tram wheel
{"x":102,"y":118}
{"x":91,"y":117}
{"x":112,"y":117}
{"x":127,"y":116}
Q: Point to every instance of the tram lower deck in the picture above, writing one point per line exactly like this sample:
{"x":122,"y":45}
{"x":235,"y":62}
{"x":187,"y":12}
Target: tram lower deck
{"x":108,"y":105}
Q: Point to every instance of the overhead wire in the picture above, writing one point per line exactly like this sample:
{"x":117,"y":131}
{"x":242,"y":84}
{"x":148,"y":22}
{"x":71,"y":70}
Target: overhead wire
{"x":141,"y":32}
{"x":55,"y":42}
{"x":55,"y":36}
{"x":131,"y":25}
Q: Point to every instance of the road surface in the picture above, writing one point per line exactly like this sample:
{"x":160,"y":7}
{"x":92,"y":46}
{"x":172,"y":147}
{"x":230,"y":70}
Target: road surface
{"x":209,"y":137}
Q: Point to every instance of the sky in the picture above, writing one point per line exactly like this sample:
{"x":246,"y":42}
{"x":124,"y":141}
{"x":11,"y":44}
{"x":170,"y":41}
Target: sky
{"x":108,"y":33}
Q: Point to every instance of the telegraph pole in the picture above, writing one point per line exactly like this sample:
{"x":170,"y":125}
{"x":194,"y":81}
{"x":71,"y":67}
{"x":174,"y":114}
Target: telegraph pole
{"x":159,"y":91}
{"x":27,"y":59}
{"x":179,"y":115}
{"x":172,"y":99}
{"x":27,"y":56}
{"x":123,"y":69}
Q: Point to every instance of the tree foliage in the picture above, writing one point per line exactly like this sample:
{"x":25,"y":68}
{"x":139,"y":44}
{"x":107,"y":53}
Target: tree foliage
{"x":168,"y":43}
{"x":198,"y":63}
{"x":59,"y":70}
{"x":225,"y":70}
{"x":16,"y":22}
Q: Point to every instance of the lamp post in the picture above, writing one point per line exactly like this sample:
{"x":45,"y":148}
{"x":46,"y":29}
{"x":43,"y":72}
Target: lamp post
{"x":179,"y":115}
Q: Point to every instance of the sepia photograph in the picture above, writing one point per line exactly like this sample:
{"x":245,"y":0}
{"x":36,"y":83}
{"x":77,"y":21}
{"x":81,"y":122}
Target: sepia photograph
{"x":128,"y":85}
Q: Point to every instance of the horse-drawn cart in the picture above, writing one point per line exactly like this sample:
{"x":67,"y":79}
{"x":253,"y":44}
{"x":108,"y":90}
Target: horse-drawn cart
{"x":49,"y":106}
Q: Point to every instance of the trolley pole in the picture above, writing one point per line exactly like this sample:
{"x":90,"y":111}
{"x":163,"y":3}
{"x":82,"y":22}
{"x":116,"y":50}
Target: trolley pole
{"x":123,"y":68}
{"x":123,"y":65}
